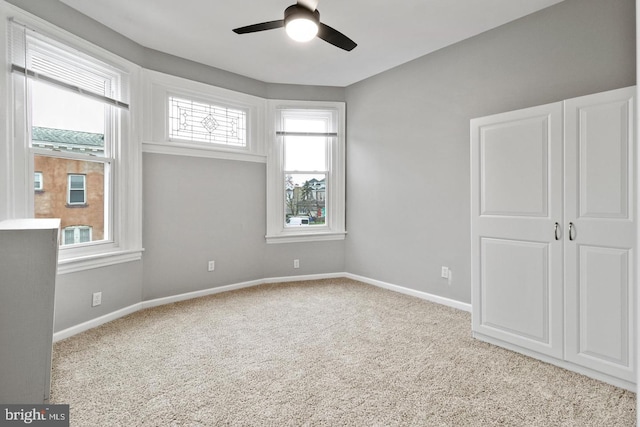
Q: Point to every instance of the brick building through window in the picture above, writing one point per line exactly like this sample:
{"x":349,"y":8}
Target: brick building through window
{"x":70,"y":189}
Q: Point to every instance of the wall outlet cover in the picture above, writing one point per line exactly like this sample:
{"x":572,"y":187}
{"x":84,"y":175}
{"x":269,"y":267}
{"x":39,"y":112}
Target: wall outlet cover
{"x":444,"y":272}
{"x":97,"y":299}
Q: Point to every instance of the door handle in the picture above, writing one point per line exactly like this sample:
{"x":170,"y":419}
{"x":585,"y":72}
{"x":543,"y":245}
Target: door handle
{"x":556,"y":229}
{"x":571,"y":228}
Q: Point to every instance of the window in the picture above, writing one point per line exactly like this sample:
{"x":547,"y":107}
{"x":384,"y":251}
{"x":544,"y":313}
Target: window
{"x":38,"y":185}
{"x":76,"y":190}
{"x":71,"y":134}
{"x":305,"y":137}
{"x":196,"y":121}
{"x":76,"y":234}
{"x":71,"y":123}
{"x":305,"y":190}
{"x":189,"y":118}
{"x":71,"y":141}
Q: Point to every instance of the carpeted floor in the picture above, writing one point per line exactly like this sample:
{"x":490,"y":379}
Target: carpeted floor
{"x":332,"y":352}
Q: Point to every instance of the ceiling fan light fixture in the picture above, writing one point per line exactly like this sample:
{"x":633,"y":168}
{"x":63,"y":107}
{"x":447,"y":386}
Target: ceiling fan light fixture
{"x":300,"y":23}
{"x":301,"y":30}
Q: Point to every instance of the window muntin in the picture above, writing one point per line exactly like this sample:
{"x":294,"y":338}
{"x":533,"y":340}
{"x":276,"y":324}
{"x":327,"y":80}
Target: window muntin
{"x":194,"y":121}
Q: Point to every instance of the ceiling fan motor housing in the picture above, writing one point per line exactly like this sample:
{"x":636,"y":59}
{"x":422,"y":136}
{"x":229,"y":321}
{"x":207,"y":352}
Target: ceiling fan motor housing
{"x":299,"y":12}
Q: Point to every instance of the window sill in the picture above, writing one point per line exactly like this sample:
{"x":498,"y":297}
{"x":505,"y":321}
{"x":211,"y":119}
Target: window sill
{"x":305,"y":237}
{"x":197,"y":150}
{"x":91,"y":261}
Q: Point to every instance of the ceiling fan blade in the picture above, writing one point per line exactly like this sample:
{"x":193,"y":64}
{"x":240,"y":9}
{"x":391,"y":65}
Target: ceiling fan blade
{"x":335,"y":37}
{"x":309,"y":4}
{"x":260,"y":27}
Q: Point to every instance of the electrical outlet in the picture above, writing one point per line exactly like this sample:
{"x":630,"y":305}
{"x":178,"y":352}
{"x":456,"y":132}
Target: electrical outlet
{"x":211,"y":266}
{"x":97,"y":299}
{"x":444,"y":272}
{"x":296,"y":263}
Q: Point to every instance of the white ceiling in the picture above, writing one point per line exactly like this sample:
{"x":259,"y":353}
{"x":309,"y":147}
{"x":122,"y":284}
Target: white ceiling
{"x":388,"y":33}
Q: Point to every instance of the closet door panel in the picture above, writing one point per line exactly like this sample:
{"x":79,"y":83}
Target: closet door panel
{"x":515,"y":168}
{"x":516,"y":296}
{"x":603,"y":303}
{"x":516,"y":202}
{"x":599,"y":209}
{"x":603,"y":157}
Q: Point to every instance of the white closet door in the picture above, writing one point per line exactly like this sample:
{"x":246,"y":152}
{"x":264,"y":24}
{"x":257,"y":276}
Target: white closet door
{"x":516,"y":162}
{"x":599,"y":169}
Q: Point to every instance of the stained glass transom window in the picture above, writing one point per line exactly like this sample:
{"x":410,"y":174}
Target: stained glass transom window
{"x":196,"y":121}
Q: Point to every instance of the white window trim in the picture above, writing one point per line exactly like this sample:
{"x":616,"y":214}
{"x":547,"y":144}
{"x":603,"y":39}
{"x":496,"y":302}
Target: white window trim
{"x":157,"y":89}
{"x":17,"y":181}
{"x":334,"y":229}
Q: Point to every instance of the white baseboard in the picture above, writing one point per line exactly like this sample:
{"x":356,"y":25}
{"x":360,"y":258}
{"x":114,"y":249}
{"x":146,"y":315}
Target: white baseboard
{"x":90,"y":324}
{"x":302,"y":278}
{"x":211,"y":291}
{"x":196,"y":294}
{"x":408,"y":291}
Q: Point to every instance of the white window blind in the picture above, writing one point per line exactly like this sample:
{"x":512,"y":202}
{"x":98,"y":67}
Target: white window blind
{"x":40,"y":57}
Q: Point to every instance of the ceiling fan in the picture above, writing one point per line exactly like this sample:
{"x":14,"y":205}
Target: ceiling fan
{"x":302,"y":23}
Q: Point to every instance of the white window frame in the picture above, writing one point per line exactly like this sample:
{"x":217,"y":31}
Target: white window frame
{"x":334,"y":228}
{"x":125,"y":243}
{"x":159,"y":87}
{"x":84,"y":190}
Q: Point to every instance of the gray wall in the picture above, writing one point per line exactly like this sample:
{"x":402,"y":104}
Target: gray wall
{"x":196,"y":210}
{"x":408,"y":192}
{"x":121,"y":286}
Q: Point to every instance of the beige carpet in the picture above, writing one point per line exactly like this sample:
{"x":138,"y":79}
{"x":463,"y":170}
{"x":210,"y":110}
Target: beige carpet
{"x":321,"y":353}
